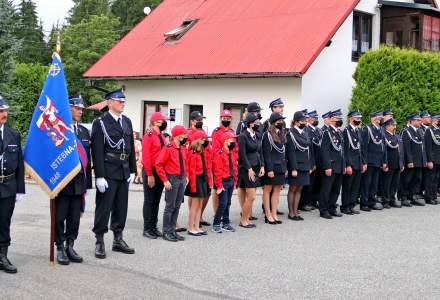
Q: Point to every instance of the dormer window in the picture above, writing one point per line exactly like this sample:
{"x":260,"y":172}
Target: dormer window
{"x":176,"y":34}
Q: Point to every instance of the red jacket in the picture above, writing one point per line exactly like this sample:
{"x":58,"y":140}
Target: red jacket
{"x":168,"y":161}
{"x":151,"y":147}
{"x":220,"y":165}
{"x":195,"y":167}
{"x":216,"y":139}
{"x":208,"y":150}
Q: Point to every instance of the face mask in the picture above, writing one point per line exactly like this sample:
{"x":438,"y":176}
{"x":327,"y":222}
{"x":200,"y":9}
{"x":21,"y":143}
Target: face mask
{"x":163,"y":126}
{"x":199,"y":125}
{"x":339,"y":123}
{"x":315,"y":123}
{"x":279,"y":125}
{"x":256,"y":126}
{"x":301,"y":125}
{"x":205,"y":144}
{"x":231,"y":145}
{"x":259,"y":116}
{"x":226,"y":123}
{"x":357,"y":123}
{"x":183,"y":141}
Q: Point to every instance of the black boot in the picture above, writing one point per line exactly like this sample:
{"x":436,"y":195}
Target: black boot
{"x":100,"y":247}
{"x":62,"y":258}
{"x":5,"y":264}
{"x":71,"y":253}
{"x":119,"y":245}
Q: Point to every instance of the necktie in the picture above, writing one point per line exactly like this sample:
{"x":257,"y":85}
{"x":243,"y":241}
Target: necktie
{"x":231,"y":166}
{"x":161,"y":140}
{"x":120,"y":121}
{"x":1,"y":140}
{"x":205,"y":171}
{"x":76,"y":129}
{"x":182,"y":167}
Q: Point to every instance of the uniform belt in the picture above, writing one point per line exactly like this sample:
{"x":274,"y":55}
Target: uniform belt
{"x":119,"y":156}
{"x":6,"y":178}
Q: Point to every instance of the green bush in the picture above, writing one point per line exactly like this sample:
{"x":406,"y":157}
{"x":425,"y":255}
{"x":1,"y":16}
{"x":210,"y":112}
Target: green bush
{"x":407,"y":81}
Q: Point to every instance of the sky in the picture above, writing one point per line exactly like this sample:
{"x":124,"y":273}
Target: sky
{"x":50,"y":11}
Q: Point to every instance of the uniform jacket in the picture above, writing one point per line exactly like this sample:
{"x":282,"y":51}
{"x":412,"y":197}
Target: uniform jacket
{"x":168,"y":162}
{"x":250,"y":150}
{"x":274,"y":161}
{"x":197,"y":167}
{"x":413,"y":147}
{"x":152,"y":143}
{"x":315,"y":135}
{"x":332,"y":151}
{"x":221,"y":167}
{"x":352,"y":148}
{"x":374,"y":155}
{"x":299,"y":159}
{"x":432,"y":141}
{"x":395,"y":153}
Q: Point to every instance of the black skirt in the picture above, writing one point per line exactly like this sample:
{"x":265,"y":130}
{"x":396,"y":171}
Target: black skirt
{"x":243,"y":178}
{"x":278,"y":179}
{"x":202,"y":188}
{"x":303,"y":178}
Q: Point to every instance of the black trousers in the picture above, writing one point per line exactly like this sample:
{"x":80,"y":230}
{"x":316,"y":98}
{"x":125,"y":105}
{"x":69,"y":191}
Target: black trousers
{"x":7,"y":206}
{"x":369,"y":185}
{"x":115,"y":201}
{"x":151,"y":200}
{"x":350,"y":189}
{"x":330,"y":190}
{"x":410,"y":182}
{"x":390,"y":184}
{"x":431,"y":178}
{"x":310,"y":193}
{"x":173,"y":200}
{"x":67,"y":215}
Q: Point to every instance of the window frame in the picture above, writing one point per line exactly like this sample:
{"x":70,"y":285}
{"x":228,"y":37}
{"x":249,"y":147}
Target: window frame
{"x":356,"y":55}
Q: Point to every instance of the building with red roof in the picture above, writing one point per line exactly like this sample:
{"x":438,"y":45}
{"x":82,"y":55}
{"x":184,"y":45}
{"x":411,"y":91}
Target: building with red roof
{"x":209,"y":55}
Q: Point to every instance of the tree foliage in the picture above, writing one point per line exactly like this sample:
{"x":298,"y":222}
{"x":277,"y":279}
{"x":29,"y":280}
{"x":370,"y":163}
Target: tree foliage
{"x":131,"y":12}
{"x":83,"y":10}
{"x":405,"y":80}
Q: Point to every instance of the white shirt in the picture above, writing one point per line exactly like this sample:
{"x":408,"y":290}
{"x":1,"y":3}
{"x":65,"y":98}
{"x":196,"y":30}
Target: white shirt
{"x":252,"y":133}
{"x":116,"y":117}
{"x":1,"y":130}
{"x":354,"y":127}
{"x":299,"y":129}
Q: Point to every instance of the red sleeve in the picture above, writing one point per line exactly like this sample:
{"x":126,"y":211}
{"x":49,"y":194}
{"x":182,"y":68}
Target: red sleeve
{"x":192,"y":177}
{"x":160,"y":163}
{"x":208,"y":159}
{"x":215,"y":140}
{"x":235,"y":162}
{"x":146,"y":160}
{"x":218,"y":170}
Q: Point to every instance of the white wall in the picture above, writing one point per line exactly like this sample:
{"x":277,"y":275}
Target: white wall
{"x":211,"y":93}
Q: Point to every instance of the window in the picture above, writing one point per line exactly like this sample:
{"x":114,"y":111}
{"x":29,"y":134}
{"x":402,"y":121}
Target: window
{"x":431,"y":33}
{"x":361,"y":40}
{"x":151,"y":107}
{"x":237,"y":110}
{"x":394,"y":38}
{"x":176,"y":34}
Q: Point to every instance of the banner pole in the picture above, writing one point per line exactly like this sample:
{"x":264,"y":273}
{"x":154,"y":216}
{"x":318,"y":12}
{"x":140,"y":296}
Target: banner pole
{"x":52,"y":233}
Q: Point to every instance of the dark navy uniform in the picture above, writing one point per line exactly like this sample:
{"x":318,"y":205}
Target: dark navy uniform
{"x":332,"y":158}
{"x":11,"y":184}
{"x":375,"y":156}
{"x":299,"y":156}
{"x":414,"y":153}
{"x":114,"y":161}
{"x":253,"y":107}
{"x":391,"y":178}
{"x":353,"y":158}
{"x":432,"y":147}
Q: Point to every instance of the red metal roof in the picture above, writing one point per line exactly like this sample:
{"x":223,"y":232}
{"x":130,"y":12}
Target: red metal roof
{"x":241,"y":37}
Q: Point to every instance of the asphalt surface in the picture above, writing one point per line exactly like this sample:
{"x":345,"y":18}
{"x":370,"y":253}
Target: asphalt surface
{"x":391,"y":254}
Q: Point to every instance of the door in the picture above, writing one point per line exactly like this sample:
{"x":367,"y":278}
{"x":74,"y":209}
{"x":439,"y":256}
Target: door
{"x":151,"y":107}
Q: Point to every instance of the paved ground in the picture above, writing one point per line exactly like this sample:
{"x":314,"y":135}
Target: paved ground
{"x":379,"y":255}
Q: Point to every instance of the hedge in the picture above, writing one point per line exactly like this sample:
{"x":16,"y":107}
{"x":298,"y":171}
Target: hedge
{"x":406,"y":81}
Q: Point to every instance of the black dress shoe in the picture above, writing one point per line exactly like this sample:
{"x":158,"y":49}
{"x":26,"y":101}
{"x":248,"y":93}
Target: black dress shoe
{"x":247,"y":226}
{"x":252,"y":218}
{"x":100,"y":250}
{"x":295,"y":218}
{"x":279,"y":222}
{"x":266,"y":220}
{"x":280,"y":213}
{"x":169,"y":237}
{"x":157,"y":232}
{"x":5,"y":264}
{"x":336,"y":214}
{"x":354,"y":211}
{"x":181,"y":229}
{"x":406,"y":203}
{"x":149,"y":234}
{"x":396,"y":204}
{"x":71,"y":253}
{"x":326,"y":216}
{"x":386,"y":206}
{"x":204,"y":223}
{"x":365,"y":208}
{"x":419,"y":202}
{"x":119,"y":245}
{"x":62,"y":258}
{"x":377,"y":206}
{"x":346,"y":211}
{"x":178,"y":236}
{"x":194,"y":233}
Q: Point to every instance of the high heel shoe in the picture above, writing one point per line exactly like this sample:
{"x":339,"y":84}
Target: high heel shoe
{"x":278,"y":222}
{"x":266,"y":220}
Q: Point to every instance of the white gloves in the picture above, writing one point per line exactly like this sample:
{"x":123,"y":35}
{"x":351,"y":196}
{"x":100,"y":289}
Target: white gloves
{"x":19,"y":197}
{"x":131,"y":178}
{"x":101,"y":184}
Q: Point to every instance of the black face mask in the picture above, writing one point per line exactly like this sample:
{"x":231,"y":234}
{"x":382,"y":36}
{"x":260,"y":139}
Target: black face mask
{"x":205,"y":144}
{"x":357,"y":123}
{"x":279,"y":126}
{"x":199,"y":125}
{"x":183,"y":141}
{"x":301,"y":126}
{"x":256,"y":126}
{"x":163,"y":126}
{"x":315,"y":123}
{"x":231,"y":145}
{"x":259,"y":116}
{"x":339,"y":123}
{"x":226,"y":123}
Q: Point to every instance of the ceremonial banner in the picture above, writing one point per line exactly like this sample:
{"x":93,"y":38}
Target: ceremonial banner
{"x":51,"y":155}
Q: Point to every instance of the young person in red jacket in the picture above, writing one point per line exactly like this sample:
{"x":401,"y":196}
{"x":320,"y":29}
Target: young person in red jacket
{"x":171,"y":166}
{"x":152,"y":143}
{"x":200,"y":180}
{"x":225,"y":178}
